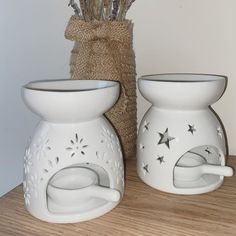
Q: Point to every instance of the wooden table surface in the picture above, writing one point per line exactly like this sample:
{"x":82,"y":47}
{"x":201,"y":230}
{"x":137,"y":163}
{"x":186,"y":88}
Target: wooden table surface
{"x":143,"y":211}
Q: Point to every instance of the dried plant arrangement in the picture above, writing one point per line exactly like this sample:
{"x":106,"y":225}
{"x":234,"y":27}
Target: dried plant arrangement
{"x":101,"y":10}
{"x":103,"y":50}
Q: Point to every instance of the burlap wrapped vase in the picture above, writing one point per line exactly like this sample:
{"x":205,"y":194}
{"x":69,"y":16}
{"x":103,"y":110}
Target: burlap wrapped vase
{"x":103,"y":50}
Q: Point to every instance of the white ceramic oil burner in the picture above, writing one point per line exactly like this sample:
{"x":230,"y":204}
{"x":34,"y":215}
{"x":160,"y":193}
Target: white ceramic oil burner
{"x":181,"y":143}
{"x":73,"y":165}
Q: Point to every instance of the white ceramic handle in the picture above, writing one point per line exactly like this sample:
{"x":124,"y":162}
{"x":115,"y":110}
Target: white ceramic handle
{"x":217,"y":170}
{"x":108,"y":194}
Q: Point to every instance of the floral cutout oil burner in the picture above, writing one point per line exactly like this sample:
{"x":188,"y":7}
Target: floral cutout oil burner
{"x":73,"y":165}
{"x":181,"y":143}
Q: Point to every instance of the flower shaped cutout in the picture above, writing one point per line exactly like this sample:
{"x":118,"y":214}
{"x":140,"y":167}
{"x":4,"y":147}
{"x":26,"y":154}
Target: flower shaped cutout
{"x":109,"y":139}
{"x":27,"y":195}
{"x":27,"y":161}
{"x":77,"y":147}
{"x":41,"y":147}
{"x":119,"y":171}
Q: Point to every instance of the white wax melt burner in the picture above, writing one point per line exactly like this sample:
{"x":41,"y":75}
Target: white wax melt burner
{"x":73,"y":165}
{"x":181,"y":143}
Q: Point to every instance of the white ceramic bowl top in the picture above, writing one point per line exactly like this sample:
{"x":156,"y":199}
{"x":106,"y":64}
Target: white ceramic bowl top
{"x":68,"y":101}
{"x":182,"y":91}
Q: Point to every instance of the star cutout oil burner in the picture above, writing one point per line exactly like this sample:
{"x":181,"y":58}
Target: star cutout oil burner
{"x":73,"y":164}
{"x":181,"y":142}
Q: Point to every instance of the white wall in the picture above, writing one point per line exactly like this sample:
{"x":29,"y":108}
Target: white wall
{"x":32,"y":47}
{"x":170,"y":36}
{"x":189,"y":36}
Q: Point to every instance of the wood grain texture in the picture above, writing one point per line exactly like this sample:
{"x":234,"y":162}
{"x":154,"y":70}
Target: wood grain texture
{"x":143,"y":211}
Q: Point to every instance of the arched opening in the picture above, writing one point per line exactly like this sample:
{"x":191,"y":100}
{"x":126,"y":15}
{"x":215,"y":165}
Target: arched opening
{"x":199,"y":167}
{"x":72,"y":190}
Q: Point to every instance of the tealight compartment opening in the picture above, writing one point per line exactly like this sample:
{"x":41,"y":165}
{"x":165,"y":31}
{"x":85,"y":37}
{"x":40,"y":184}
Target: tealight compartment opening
{"x":199,"y":167}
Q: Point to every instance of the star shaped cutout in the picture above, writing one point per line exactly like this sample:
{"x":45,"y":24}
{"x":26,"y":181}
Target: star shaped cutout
{"x":207,"y":150}
{"x":146,"y":126}
{"x":219,"y":132}
{"x":145,"y":169}
{"x":220,"y":158}
{"x":161,"y":159}
{"x":165,"y":138}
{"x":191,"y":129}
{"x":141,"y":147}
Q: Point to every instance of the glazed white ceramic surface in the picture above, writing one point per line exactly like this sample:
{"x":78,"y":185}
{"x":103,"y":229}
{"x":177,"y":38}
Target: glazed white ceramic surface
{"x":181,"y":124}
{"x":73,"y":142}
